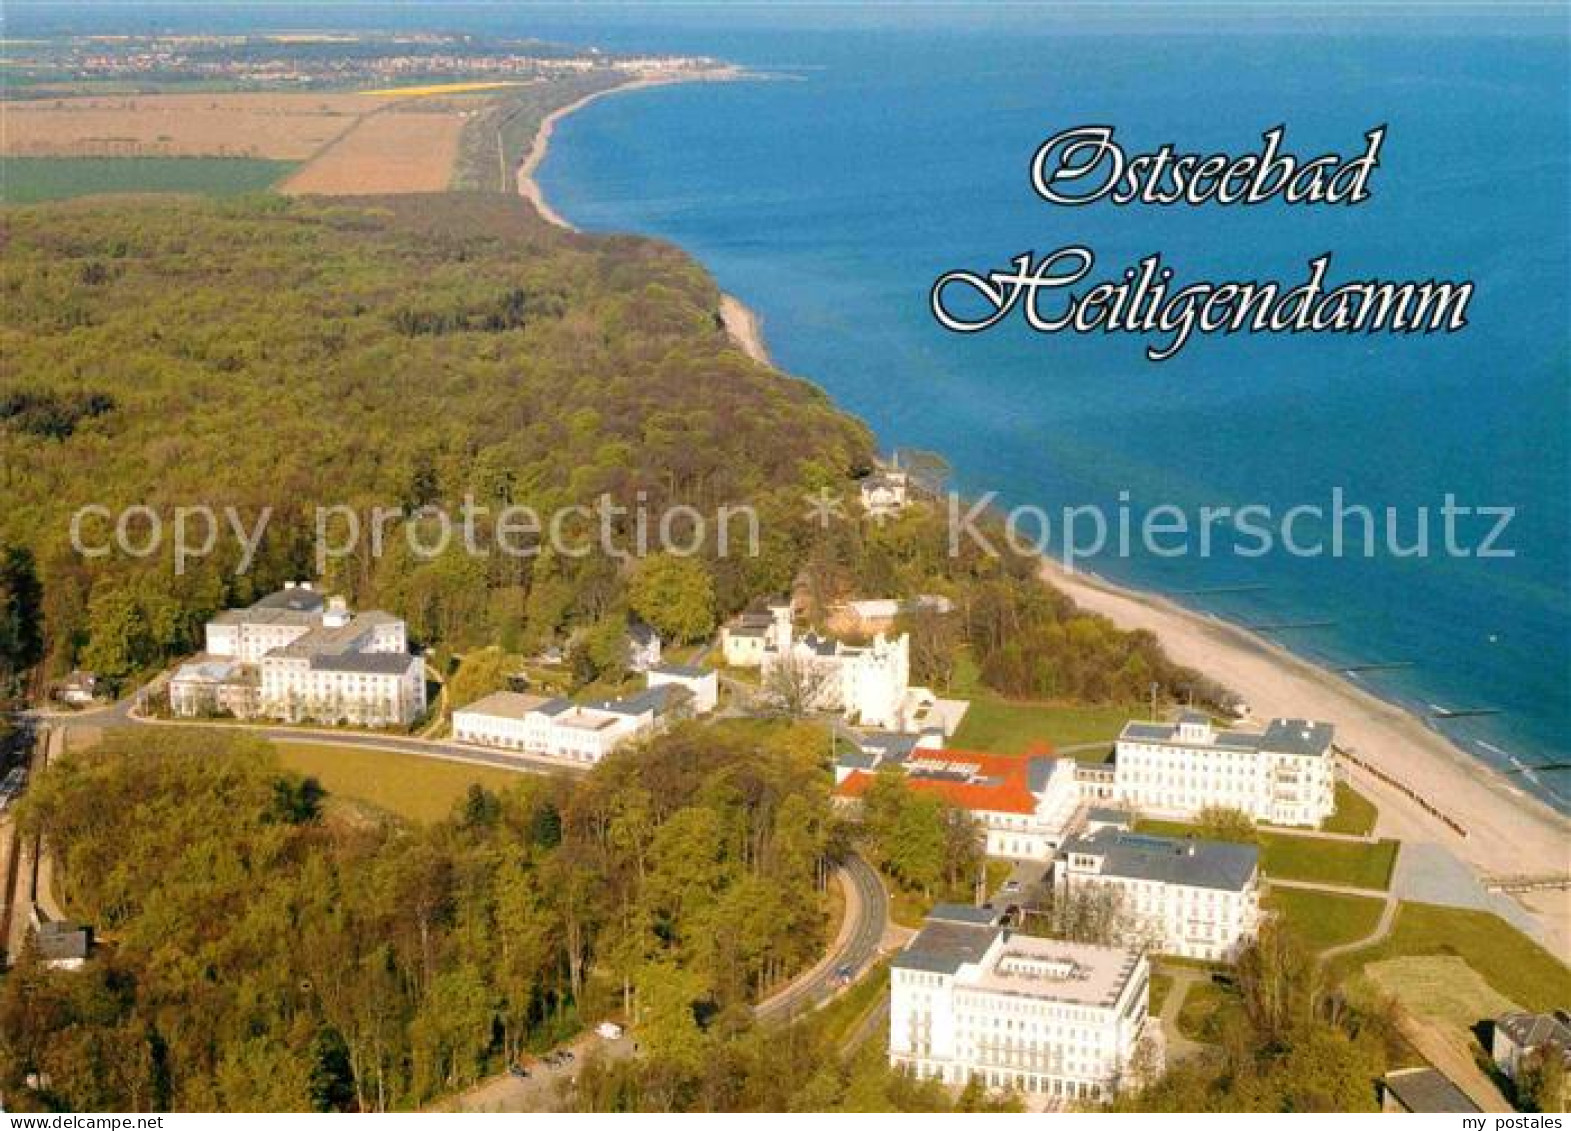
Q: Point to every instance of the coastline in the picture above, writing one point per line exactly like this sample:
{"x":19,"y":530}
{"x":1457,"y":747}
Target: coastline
{"x":740,"y":321}
{"x":1509,"y":831}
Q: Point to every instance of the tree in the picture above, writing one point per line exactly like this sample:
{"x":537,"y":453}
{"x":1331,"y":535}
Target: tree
{"x":117,"y":644}
{"x":798,"y":685}
{"x":675,"y":596}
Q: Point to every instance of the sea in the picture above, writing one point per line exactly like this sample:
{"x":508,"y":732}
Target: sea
{"x":882,"y":145}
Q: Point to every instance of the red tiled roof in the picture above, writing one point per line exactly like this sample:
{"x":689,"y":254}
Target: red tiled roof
{"x":998,"y":783}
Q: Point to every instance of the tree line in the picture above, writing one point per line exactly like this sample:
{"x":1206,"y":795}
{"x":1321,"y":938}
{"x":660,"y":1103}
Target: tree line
{"x":262,"y":951}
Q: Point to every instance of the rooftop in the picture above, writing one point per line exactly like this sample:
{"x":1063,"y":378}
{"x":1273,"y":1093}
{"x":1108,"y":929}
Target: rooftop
{"x":1533,"y":1030}
{"x":1019,"y":965}
{"x":368,"y":663}
{"x":1215,"y":864}
{"x":994,"y":783}
{"x":683,"y":671}
{"x":1426,"y":1090}
{"x":1054,"y":970}
{"x":503,"y":705}
{"x":1282,"y":736}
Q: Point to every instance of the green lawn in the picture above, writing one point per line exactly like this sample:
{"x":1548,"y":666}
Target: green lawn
{"x":1514,"y":965}
{"x":1355,"y":814}
{"x":1161,"y":986}
{"x":1006,"y":727}
{"x":1325,"y":919}
{"x":420,"y":789}
{"x":1206,"y":1007}
{"x":1321,"y":861}
{"x":28,"y":180}
{"x":1312,"y":859}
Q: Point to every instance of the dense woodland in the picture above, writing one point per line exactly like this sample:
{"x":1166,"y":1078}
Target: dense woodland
{"x":264,"y":952}
{"x":395,"y":353}
{"x":410,"y":352}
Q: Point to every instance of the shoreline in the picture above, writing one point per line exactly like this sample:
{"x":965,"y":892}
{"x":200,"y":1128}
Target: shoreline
{"x":740,"y":321}
{"x":1509,"y":831}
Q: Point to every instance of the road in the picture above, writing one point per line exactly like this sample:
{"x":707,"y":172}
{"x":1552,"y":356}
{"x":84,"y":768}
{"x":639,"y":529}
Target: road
{"x":867,"y":914}
{"x":867,"y":903}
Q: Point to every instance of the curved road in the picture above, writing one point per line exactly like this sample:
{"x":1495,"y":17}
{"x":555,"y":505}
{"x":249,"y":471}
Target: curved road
{"x":867,"y":913}
{"x":867,"y":905}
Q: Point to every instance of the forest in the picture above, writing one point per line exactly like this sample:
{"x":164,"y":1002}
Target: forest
{"x":276,"y":356}
{"x":399,"y":352}
{"x":266,"y":949}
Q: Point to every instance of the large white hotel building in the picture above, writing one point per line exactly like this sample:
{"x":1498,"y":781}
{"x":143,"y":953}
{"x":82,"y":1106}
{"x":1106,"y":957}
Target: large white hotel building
{"x":297,"y":656}
{"x":1283,"y":775}
{"x":971,"y":999}
{"x":1181,"y":896}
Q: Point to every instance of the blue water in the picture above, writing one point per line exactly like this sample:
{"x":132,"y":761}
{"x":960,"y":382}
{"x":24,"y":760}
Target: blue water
{"x":894,"y":145}
{"x":830,"y":202}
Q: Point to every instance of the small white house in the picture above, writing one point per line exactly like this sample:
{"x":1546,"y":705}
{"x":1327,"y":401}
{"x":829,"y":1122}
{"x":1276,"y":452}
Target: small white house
{"x":643,"y":646}
{"x":704,"y":683}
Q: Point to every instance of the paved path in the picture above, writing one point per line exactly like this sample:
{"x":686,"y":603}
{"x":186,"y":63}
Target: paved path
{"x":1179,"y":1047}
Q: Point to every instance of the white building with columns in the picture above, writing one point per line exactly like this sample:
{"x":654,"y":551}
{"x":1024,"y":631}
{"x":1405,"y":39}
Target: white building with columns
{"x":969,"y":998}
{"x":1283,"y":775}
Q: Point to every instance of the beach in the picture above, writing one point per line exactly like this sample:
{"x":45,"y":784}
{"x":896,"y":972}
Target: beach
{"x":738,"y":319}
{"x":1509,"y":832}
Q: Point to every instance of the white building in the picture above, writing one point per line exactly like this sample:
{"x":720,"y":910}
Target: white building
{"x":868,"y":684}
{"x":213,"y":687}
{"x":296,"y":657}
{"x":1185,"y":897}
{"x":1284,"y":775}
{"x":561,"y":728}
{"x":1026,"y":807}
{"x":704,"y":683}
{"x":643,"y":646}
{"x":885,"y":492}
{"x":969,"y":998}
{"x":1520,"y":1036}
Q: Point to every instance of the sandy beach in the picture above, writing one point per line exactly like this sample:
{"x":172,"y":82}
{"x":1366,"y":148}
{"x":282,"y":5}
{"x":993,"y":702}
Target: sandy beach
{"x":739,"y":320}
{"x":1509,"y":832}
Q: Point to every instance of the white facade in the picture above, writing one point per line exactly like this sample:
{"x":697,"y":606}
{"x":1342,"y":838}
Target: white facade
{"x":869,"y":684}
{"x":297,"y":657}
{"x":885,"y":492}
{"x":704,"y":683}
{"x":1284,"y":775}
{"x":969,"y":998}
{"x":1191,"y":898}
{"x":560,"y":728}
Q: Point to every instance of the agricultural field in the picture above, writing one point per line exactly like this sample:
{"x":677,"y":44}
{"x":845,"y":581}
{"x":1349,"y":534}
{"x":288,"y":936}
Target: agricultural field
{"x":30,"y":180}
{"x":415,"y":788}
{"x":280,"y":127}
{"x":385,"y":153}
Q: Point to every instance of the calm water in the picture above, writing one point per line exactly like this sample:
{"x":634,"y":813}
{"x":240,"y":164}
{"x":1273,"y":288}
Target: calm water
{"x":893,"y":145}
{"x":831,"y":199}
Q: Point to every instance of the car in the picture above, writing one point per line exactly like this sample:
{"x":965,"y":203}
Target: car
{"x":609,"y":1030}
{"x":518,"y":1071}
{"x":1011,"y":885}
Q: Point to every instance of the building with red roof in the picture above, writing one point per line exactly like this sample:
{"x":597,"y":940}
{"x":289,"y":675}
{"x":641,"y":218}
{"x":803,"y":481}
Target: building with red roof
{"x":1027,"y":805}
